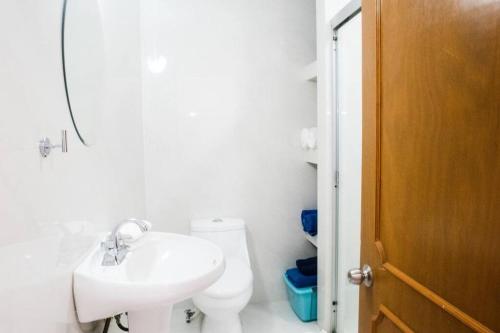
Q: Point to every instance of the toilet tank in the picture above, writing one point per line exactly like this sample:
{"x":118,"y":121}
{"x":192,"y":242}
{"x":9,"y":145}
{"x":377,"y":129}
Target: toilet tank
{"x":228,"y":233}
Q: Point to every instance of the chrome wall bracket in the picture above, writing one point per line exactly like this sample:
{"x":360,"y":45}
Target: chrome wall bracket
{"x":45,"y":146}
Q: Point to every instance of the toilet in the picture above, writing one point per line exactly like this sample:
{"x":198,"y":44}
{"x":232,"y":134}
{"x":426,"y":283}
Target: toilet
{"x":223,"y":301}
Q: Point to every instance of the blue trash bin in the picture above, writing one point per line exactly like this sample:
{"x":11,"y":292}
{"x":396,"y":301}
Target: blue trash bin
{"x":304,"y":301}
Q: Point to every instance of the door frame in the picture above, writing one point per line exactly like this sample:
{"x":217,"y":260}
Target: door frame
{"x":350,"y":10}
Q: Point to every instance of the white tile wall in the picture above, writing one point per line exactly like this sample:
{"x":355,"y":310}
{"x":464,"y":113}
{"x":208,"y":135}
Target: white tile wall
{"x":222,"y":122}
{"x":50,"y":209}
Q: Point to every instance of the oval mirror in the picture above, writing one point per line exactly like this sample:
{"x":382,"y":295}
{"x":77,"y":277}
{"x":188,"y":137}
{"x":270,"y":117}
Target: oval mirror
{"x":84,"y":61}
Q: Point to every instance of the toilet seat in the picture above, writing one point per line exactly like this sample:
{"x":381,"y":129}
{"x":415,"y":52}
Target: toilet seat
{"x":236,"y":279}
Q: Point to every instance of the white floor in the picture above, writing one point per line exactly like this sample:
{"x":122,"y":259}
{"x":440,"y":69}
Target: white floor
{"x":276,"y":317}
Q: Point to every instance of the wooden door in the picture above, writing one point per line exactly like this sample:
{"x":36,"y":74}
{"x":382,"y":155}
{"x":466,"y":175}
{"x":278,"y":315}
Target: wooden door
{"x":431,"y":165}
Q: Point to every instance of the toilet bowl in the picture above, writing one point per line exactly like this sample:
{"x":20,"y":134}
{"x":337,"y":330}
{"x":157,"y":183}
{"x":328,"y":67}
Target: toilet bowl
{"x":222,"y":302}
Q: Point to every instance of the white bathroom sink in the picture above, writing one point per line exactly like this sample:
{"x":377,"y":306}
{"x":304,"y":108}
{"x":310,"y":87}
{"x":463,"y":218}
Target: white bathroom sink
{"x":160,"y":270}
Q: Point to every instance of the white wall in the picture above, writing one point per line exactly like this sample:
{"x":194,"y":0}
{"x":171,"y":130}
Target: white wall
{"x":222,"y":122}
{"x":50,"y":209}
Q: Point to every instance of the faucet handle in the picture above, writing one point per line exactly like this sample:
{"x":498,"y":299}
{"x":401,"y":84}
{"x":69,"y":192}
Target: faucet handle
{"x":147,"y":225}
{"x":122,"y":253}
{"x":144,"y":225}
{"x":108,"y":245}
{"x":123,"y":239}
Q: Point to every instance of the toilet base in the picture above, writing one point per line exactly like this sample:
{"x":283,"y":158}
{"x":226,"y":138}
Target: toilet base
{"x":231,"y":323}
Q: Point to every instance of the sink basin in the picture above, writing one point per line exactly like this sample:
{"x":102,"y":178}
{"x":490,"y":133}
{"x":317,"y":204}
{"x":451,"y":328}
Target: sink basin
{"x":160,"y":270}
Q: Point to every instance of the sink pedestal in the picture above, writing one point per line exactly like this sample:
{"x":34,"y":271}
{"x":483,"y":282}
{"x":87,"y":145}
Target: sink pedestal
{"x":156,"y":320}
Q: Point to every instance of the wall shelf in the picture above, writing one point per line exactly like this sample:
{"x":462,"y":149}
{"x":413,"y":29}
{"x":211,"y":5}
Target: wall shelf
{"x":310,"y":72}
{"x":311,"y":156}
{"x":312,"y":239}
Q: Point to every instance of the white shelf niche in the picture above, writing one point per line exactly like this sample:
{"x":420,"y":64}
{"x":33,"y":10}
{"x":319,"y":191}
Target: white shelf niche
{"x":312,"y":239}
{"x":310,"y":72}
{"x":311,"y":156}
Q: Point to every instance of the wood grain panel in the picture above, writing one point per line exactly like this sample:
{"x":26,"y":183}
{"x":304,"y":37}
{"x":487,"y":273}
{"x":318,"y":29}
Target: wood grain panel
{"x":431,"y":162}
{"x":397,"y":323}
{"x":437,"y":300}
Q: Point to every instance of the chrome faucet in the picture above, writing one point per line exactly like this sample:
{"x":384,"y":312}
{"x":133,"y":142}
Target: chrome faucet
{"x":115,"y":249}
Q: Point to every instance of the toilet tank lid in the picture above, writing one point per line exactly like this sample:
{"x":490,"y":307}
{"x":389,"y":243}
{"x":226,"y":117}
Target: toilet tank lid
{"x":217,"y":224}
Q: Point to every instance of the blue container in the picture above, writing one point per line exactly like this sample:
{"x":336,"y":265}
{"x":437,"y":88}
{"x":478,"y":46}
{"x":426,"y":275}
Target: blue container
{"x":304,"y":301}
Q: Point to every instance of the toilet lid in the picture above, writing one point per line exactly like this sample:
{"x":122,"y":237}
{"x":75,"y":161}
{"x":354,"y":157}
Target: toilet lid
{"x":236,"y":279}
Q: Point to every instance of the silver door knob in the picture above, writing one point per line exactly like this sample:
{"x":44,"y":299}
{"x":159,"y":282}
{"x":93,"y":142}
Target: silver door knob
{"x":358,"y":276}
